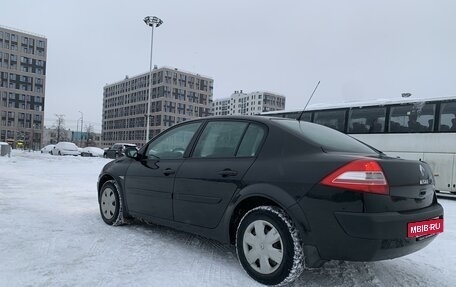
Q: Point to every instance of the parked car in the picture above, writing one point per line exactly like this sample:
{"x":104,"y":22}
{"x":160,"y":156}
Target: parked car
{"x":92,"y":151}
{"x":65,"y":148}
{"x":117,"y":150}
{"x":285,"y":193}
{"x":48,"y":148}
{"x":5,"y":149}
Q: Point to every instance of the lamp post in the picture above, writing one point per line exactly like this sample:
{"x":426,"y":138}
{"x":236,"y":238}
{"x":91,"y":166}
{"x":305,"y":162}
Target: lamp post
{"x":82,"y":124}
{"x":406,"y":95}
{"x":151,"y":21}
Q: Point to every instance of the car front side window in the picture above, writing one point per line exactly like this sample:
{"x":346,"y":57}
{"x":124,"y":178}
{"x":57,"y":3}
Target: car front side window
{"x":172,"y":144}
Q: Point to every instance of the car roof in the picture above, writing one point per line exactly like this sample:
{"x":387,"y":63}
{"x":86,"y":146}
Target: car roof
{"x":257,"y":118}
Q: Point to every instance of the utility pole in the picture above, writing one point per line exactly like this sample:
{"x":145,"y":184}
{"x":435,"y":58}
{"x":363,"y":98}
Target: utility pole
{"x":82,"y":124}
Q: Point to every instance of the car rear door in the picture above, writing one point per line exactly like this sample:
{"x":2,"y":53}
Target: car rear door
{"x":149,"y":180}
{"x":206,"y":182}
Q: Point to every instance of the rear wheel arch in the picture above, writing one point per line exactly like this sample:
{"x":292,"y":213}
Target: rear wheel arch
{"x":245,"y":205}
{"x":264,"y":194}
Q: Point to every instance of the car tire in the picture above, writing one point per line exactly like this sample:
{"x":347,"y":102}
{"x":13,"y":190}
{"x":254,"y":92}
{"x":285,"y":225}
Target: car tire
{"x":60,"y":153}
{"x":110,"y":202}
{"x":278,"y":240}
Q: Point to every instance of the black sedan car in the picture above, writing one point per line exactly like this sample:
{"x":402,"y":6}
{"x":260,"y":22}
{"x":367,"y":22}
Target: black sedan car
{"x":286,"y":193}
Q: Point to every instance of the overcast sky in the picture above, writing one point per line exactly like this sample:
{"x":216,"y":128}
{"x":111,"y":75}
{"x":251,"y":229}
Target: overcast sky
{"x":359,"y":50}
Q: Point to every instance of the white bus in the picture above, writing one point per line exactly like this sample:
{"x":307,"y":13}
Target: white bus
{"x":419,"y":129}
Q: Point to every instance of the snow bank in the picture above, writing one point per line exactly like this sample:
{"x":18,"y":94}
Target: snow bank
{"x":52,"y":235}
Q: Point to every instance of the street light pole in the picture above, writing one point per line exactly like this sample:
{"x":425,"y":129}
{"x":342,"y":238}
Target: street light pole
{"x":151,"y":21}
{"x":82,"y":124}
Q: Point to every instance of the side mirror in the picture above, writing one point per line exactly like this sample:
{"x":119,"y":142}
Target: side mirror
{"x":131,"y":152}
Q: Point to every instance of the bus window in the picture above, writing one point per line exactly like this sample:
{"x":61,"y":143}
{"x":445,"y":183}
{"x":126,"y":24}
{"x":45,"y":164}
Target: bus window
{"x":418,"y":117}
{"x":306,"y":116}
{"x":447,"y":117}
{"x":367,"y":120}
{"x":293,"y":115}
{"x":333,"y":118}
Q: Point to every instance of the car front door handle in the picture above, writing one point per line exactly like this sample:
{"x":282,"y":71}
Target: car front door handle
{"x":169,"y":171}
{"x":227,"y":172}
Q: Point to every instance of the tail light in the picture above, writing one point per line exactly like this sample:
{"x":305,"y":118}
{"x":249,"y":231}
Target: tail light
{"x":360,"y":175}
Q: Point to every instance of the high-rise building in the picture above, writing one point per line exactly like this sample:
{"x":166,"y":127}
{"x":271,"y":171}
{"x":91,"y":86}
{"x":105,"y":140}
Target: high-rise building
{"x":240,"y":103}
{"x":22,"y":86}
{"x":177,"y":96}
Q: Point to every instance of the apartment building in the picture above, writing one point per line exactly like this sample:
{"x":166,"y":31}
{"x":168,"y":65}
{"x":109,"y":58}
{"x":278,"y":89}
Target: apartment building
{"x":177,"y":96}
{"x":22,"y":86}
{"x":240,"y":103}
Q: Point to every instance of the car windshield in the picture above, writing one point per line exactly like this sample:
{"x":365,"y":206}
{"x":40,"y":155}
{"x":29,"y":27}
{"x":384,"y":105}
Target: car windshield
{"x":328,"y":139}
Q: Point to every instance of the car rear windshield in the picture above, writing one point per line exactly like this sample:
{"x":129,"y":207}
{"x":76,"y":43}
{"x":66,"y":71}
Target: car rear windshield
{"x":328,"y":139}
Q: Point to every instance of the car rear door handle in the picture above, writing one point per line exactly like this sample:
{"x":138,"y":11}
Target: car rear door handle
{"x":169,"y":171}
{"x":227,"y":172}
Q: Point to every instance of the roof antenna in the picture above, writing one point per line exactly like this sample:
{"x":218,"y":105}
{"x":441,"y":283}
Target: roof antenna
{"x":300,"y":115}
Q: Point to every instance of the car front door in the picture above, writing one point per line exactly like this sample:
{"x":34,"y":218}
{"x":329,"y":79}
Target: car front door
{"x":149,"y":180}
{"x":207,"y":180}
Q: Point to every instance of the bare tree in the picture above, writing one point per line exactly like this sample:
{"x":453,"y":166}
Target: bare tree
{"x":90,"y":135}
{"x":60,"y":127}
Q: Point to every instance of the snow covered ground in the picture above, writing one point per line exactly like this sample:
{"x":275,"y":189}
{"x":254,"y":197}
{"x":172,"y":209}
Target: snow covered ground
{"x":52,"y":235}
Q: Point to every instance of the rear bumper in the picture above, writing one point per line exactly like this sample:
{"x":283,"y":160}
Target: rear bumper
{"x":379,"y":236}
{"x":358,"y":236}
{"x":385,"y":225}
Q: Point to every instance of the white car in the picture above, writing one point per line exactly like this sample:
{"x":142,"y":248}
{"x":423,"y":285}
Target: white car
{"x":65,"y":148}
{"x":48,"y":148}
{"x":92,"y":151}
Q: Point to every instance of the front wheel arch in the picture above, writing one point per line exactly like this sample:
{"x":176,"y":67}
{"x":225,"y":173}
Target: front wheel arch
{"x":119,"y":214}
{"x":102,"y":180}
{"x":107,"y":177}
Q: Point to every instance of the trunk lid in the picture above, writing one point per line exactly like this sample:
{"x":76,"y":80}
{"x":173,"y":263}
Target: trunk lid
{"x":411,"y":186}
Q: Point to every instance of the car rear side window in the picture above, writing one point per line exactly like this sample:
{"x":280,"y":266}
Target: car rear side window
{"x":251,"y":141}
{"x":220,"y":139}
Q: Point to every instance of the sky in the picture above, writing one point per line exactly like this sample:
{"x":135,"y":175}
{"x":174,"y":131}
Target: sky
{"x":358,"y":49}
